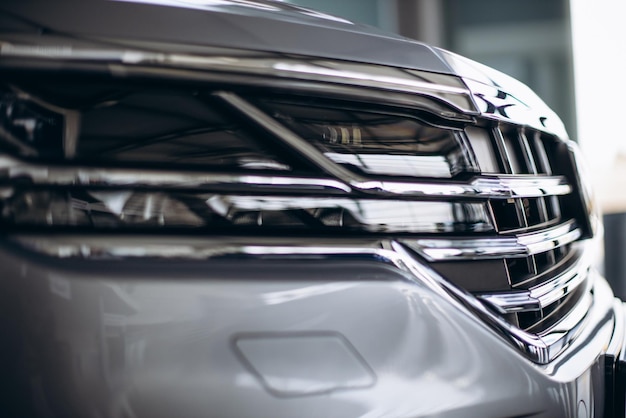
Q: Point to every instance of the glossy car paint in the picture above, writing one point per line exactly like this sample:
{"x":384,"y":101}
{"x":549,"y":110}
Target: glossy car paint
{"x":258,"y":330}
{"x":192,"y":26}
{"x":153,"y":338}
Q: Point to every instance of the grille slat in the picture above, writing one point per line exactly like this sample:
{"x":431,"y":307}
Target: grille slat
{"x":540,"y":295}
{"x":548,"y":282}
{"x":504,"y":246}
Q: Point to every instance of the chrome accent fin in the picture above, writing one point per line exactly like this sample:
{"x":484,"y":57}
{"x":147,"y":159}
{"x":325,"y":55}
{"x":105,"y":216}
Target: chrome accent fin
{"x":555,"y":288}
{"x":512,"y":302}
{"x":516,"y":246}
{"x":12,"y":169}
{"x":489,"y":187}
{"x":540,"y":296}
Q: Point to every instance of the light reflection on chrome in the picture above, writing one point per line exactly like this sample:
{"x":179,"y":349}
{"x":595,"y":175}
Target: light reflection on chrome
{"x":512,"y":302}
{"x":522,"y":245}
{"x":544,"y":294}
{"x":554,"y":289}
{"x":402,"y":165}
{"x":206,"y":4}
{"x":492,"y":187}
{"x":62,"y":175}
{"x":370,"y":78}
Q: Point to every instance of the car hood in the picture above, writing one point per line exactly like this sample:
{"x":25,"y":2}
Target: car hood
{"x":185,"y":25}
{"x":257,"y":29}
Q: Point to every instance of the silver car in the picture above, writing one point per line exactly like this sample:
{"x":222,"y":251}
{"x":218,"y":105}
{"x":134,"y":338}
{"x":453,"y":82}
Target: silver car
{"x":241,"y":208}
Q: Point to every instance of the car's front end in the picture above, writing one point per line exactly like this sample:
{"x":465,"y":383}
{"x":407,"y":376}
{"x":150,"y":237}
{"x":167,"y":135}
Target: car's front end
{"x":235,"y":227}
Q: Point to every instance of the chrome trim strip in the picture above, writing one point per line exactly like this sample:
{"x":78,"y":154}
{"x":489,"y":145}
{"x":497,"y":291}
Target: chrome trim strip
{"x":554,"y":289}
{"x":513,"y":302}
{"x":12,"y":169}
{"x":306,"y":69}
{"x":540,"y":349}
{"x":543,"y":348}
{"x":502,"y":150}
{"x":527,"y":153}
{"x":542,"y":295}
{"x":560,"y":335}
{"x":490,"y":187}
{"x":107,"y":247}
{"x":516,"y":246}
{"x":322,"y":72}
{"x":523,"y":186}
{"x":484,"y":187}
{"x":550,"y":238}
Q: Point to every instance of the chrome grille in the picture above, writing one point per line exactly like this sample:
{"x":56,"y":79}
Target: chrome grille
{"x":535,"y":288}
{"x":488,"y":210}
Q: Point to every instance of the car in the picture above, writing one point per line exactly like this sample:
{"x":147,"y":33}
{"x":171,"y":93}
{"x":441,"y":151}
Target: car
{"x":244,"y":208}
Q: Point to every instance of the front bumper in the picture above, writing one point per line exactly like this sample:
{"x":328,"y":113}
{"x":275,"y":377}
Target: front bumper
{"x":276,"y":333}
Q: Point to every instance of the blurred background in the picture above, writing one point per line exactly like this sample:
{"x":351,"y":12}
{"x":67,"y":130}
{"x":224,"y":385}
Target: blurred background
{"x":569,"y":51}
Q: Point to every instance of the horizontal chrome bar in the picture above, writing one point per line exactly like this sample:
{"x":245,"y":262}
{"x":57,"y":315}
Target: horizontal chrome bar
{"x":446,"y":88}
{"x":512,"y":302}
{"x":536,"y":348}
{"x":542,"y":295}
{"x":12,"y":169}
{"x":479,"y":188}
{"x":108,"y":247}
{"x":550,"y":238}
{"x":490,"y":187}
{"x":516,"y":246}
{"x":561,"y":285}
